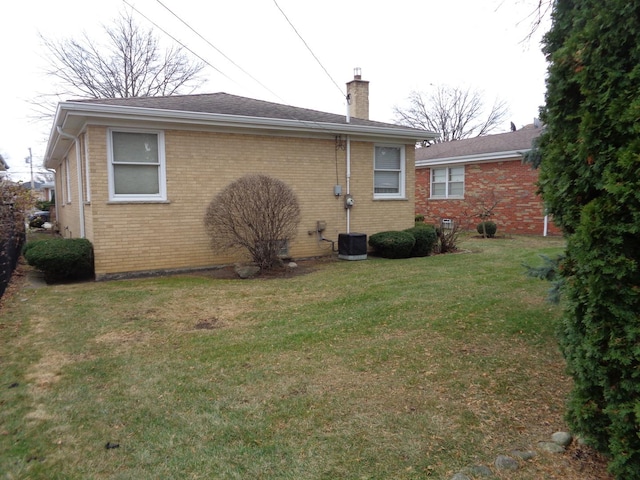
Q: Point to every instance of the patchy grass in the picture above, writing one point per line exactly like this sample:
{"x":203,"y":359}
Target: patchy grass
{"x":400,"y":369}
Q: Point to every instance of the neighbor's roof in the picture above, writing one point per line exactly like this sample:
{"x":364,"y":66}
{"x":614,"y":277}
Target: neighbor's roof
{"x":485,"y":148}
{"x":219,"y":111}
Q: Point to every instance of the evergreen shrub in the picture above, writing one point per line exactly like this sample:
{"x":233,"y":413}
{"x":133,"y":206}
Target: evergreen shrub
{"x":426,"y":239}
{"x":489,"y":227}
{"x":61,"y":258}
{"x":392,"y":244}
{"x":589,"y":180}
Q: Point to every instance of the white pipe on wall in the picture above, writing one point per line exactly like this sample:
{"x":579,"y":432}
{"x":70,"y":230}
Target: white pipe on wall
{"x":348,"y":181}
{"x":79,"y":171}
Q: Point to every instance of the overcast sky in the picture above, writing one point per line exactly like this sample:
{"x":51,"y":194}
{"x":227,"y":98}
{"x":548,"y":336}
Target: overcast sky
{"x":400,"y":46}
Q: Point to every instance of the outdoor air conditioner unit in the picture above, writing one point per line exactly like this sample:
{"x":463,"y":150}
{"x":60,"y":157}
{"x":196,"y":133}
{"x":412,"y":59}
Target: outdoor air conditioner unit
{"x":352,"y":246}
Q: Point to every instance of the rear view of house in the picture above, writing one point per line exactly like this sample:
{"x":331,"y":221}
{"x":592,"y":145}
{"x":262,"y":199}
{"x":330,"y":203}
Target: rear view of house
{"x":452,"y":178}
{"x":135,"y":175}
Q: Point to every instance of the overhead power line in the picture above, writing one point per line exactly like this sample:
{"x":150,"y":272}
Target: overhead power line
{"x":218,"y":50}
{"x":177,"y":41}
{"x":309,"y":48}
{"x":293,"y":117}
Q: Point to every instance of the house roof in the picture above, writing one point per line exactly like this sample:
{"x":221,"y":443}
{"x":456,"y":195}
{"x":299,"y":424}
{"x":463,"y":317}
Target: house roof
{"x":227,"y":104}
{"x":486,"y":148}
{"x":217,"y":111}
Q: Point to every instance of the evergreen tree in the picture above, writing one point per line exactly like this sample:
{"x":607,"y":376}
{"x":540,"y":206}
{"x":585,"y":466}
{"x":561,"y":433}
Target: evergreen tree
{"x":590,"y":181}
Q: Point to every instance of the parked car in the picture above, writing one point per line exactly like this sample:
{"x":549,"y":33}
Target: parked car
{"x":38,"y":218}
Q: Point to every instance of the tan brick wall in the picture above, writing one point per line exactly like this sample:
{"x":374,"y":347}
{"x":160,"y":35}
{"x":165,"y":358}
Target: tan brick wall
{"x":133,"y":237}
{"x":68,"y":206}
{"x":519,"y":211}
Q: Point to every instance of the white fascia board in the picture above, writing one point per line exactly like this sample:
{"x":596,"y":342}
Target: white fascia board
{"x":484,"y":157}
{"x":222,"y":120}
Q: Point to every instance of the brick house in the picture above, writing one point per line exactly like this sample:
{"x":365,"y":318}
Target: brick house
{"x":135,"y":175}
{"x":453,"y":178}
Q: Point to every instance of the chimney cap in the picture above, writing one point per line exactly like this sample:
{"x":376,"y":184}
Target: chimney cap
{"x":357,"y":73}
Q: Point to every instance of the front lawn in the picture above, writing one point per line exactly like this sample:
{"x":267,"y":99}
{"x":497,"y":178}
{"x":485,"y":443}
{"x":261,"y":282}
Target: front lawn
{"x":376,"y":369}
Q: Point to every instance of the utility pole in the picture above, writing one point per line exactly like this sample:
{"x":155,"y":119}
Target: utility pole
{"x":29,"y":160}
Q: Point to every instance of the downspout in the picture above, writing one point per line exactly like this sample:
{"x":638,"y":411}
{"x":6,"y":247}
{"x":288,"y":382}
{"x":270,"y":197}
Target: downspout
{"x":348,"y":181}
{"x":348,"y":162}
{"x":546,"y":226}
{"x":79,"y":171}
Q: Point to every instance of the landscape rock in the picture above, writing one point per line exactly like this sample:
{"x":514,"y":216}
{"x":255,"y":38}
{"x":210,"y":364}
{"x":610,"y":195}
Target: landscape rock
{"x":504,"y":462}
{"x":460,"y":476}
{"x":246,"y":271}
{"x":562,"y":438}
{"x":292,"y":265}
{"x":480,"y":471}
{"x":551,"y":447}
{"x":523,"y":454}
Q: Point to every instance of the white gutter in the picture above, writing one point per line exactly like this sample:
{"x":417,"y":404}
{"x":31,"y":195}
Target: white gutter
{"x":79,"y":173}
{"x":140,"y":114}
{"x":482,"y":157}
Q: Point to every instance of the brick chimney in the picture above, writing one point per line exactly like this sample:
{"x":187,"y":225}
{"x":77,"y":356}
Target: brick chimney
{"x":358,"y":94}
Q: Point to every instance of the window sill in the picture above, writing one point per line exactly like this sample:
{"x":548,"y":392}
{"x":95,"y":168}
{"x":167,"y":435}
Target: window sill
{"x":137,"y":202}
{"x":446,"y":198}
{"x":390,"y":199}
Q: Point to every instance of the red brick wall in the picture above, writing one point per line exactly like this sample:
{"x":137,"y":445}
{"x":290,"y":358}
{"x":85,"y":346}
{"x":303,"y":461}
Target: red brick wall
{"x":519,"y":211}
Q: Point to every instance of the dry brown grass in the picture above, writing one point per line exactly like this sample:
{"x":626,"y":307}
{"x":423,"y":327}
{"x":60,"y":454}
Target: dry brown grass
{"x":349,"y":370}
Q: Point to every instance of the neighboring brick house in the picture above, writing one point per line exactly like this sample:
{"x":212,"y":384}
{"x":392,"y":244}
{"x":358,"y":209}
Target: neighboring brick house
{"x":452,"y":176}
{"x":135,"y":176}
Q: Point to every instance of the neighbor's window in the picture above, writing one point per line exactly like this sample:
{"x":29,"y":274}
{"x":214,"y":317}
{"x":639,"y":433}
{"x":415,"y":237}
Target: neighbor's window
{"x":137,"y":165}
{"x":388,"y":171}
{"x":447,"y":182}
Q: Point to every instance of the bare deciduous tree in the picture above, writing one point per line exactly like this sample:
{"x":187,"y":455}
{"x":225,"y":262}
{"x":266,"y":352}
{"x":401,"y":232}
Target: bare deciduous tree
{"x":453,"y":112}
{"x":257,"y":213}
{"x":482,"y":206}
{"x":540,"y":13}
{"x":130,"y":64}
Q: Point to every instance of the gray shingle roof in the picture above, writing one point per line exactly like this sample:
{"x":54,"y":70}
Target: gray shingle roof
{"x":226,"y":104}
{"x":520,"y":140}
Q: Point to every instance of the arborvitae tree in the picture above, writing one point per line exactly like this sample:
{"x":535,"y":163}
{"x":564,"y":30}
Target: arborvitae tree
{"x":590,"y":181}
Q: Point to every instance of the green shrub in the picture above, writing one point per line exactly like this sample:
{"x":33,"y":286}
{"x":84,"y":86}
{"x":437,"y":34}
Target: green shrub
{"x":426,"y":239}
{"x":392,"y":244}
{"x":419,"y":218}
{"x":44,"y":205}
{"x":30,"y":244}
{"x":589,"y":180}
{"x":61,"y":258}
{"x":490,"y":228}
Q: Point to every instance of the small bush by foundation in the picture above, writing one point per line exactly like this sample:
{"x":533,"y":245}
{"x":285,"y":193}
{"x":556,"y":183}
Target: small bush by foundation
{"x":426,"y":239}
{"x":392,"y":244}
{"x":487,"y":228}
{"x":61,"y":259}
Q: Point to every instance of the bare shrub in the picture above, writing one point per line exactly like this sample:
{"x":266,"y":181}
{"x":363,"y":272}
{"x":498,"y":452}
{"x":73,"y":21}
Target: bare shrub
{"x":257,"y":213}
{"x":448,"y":236}
{"x":482,"y":206}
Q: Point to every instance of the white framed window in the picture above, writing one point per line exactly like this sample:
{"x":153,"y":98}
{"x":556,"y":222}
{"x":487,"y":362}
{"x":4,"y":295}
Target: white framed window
{"x":67,"y":182}
{"x":389,"y":171}
{"x":447,"y":182}
{"x":136,"y":165}
{"x":87,"y":179}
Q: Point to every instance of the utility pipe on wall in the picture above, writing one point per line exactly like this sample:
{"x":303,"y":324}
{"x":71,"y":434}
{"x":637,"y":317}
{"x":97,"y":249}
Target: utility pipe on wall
{"x":348,"y":181}
{"x":79,"y":171}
